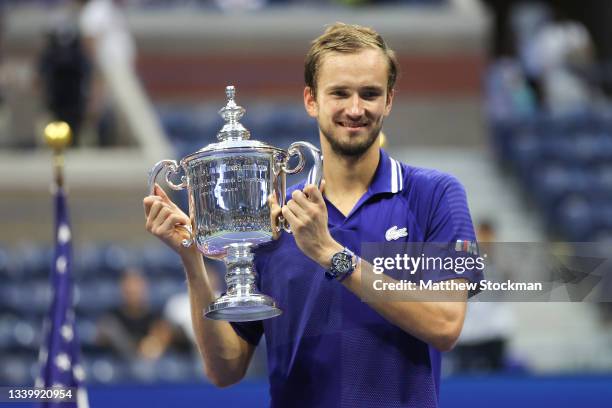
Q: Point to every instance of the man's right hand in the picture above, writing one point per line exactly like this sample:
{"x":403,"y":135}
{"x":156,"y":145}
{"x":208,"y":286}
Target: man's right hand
{"x":163,"y":220}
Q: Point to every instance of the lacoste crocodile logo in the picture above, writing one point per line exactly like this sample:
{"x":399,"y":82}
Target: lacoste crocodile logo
{"x":394,"y":233}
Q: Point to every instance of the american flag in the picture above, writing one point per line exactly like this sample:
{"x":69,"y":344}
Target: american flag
{"x":59,"y":352}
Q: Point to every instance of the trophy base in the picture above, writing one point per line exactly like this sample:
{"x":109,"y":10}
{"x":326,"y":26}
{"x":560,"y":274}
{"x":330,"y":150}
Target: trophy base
{"x":243,"y":309}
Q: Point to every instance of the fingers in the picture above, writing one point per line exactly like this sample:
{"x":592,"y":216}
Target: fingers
{"x":275,"y":212}
{"x":272,"y":200}
{"x":159,"y":212}
{"x":156,"y":206}
{"x":314,"y":193}
{"x":290,"y":216}
{"x":301,"y":199}
{"x":309,"y":202}
{"x":162,"y":194}
{"x":148,"y":203}
{"x":170,"y":223}
{"x":302,"y":208}
{"x":165,"y":220}
{"x":159,"y":195}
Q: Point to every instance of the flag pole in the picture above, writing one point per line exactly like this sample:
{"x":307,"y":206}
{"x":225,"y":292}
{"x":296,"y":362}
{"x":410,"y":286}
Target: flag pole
{"x":59,"y":355}
{"x":58,"y":136}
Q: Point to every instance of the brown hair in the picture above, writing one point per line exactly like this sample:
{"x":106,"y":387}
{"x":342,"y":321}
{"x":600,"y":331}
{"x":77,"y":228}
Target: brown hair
{"x":346,"y":38}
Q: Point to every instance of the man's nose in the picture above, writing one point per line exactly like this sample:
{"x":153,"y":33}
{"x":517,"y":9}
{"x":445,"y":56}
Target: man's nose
{"x":356,"y":106}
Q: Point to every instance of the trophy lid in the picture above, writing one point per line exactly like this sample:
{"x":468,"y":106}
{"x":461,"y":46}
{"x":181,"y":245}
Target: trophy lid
{"x":231,"y":112}
{"x":233,"y":135}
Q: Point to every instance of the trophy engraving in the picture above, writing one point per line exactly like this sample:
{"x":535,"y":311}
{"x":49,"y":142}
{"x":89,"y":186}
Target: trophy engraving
{"x":228,"y":183}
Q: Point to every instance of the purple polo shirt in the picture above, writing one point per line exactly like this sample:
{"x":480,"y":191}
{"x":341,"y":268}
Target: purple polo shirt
{"x":330,"y":349}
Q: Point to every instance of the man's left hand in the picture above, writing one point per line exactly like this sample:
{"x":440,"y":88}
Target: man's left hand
{"x":307,"y":215}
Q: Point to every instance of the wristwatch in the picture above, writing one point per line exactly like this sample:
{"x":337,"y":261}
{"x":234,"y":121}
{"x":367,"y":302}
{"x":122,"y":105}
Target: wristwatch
{"x":343,"y":263}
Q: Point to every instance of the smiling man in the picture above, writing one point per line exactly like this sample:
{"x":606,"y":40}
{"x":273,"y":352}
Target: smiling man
{"x":329,"y":348}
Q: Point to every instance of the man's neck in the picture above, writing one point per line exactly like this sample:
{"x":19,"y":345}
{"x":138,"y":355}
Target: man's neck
{"x":348,"y":178}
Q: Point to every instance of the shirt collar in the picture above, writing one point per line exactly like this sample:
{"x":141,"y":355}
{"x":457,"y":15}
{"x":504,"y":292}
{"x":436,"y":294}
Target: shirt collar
{"x":388,"y":178}
{"x":389,"y":175}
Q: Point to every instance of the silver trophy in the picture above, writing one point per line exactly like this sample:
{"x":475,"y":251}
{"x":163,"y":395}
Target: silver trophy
{"x":229,"y":183}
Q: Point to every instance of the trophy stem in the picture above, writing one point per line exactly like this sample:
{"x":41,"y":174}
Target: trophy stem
{"x":242,"y":302}
{"x":240,"y":276}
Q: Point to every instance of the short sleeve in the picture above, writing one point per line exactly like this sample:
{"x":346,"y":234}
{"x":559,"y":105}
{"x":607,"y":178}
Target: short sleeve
{"x":249,"y":331}
{"x":450,"y":233}
{"x":450,"y":218}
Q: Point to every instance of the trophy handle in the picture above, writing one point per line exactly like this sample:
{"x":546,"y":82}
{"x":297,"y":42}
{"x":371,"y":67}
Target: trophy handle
{"x":314,"y":177}
{"x":173,"y":168}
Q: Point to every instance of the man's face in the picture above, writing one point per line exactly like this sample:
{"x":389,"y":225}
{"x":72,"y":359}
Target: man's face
{"x":351,"y":100}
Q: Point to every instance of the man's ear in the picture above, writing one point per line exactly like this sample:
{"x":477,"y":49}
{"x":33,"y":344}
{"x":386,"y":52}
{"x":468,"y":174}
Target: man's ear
{"x":390,"y":95}
{"x":310,"y":102}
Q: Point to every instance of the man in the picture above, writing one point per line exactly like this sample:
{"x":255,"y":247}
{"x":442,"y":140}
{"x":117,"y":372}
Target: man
{"x":329,"y":348}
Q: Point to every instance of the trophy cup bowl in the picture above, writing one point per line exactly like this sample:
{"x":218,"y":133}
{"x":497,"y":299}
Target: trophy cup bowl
{"x":228,"y":185}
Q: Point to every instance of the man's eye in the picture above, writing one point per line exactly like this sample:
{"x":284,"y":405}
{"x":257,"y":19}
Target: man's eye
{"x":369,"y":95}
{"x":340,"y":94}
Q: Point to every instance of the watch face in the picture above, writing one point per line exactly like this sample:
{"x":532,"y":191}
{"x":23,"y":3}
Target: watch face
{"x":342,"y":262}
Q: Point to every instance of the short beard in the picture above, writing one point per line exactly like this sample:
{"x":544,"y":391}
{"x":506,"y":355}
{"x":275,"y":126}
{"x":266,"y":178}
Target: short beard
{"x":353,"y":150}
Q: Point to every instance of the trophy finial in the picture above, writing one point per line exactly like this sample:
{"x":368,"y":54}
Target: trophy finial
{"x":231,"y":112}
{"x":230,"y":92}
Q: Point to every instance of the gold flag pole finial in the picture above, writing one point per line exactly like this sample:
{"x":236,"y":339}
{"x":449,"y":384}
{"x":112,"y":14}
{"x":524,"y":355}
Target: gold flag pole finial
{"x":58,"y":136}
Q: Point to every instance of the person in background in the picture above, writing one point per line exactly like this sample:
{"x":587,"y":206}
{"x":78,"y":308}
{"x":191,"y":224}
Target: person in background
{"x":118,"y":93}
{"x":107,"y":40}
{"x":65,"y":75}
{"x":133,"y":329}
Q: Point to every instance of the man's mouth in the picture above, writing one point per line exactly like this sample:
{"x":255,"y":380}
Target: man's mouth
{"x":352,"y":125}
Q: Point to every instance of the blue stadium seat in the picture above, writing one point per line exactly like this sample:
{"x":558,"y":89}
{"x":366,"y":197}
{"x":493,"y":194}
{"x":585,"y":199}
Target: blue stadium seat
{"x":106,"y":369}
{"x":162,"y":289}
{"x":161,"y":261}
{"x":575,"y":219}
{"x":18,"y":334}
{"x":177,"y":368}
{"x":7,"y":323}
{"x":17,"y":369}
{"x":32,"y":299}
{"x":564,"y":163}
{"x":94,"y":297}
{"x":87,"y":331}
{"x":604,"y":181}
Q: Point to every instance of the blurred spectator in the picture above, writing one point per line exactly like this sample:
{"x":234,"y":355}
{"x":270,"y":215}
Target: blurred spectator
{"x":111,"y":45}
{"x":563,"y":47}
{"x":107,"y":40}
{"x":65,"y":73}
{"x":105,"y":29}
{"x":508,"y":95}
{"x":554,"y":55}
{"x":488,"y":325}
{"x":134,"y":330}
